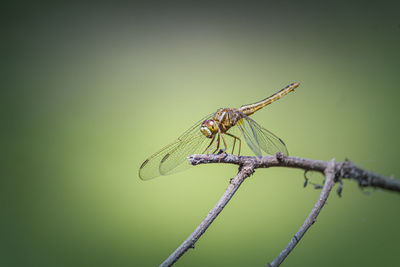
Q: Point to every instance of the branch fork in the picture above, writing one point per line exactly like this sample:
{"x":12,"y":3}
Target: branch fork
{"x":334,"y":172}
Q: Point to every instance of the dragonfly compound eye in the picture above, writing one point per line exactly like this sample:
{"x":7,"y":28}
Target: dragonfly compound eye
{"x":209,"y":128}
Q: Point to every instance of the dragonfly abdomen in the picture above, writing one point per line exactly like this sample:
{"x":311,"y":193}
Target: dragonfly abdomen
{"x":251,"y":108}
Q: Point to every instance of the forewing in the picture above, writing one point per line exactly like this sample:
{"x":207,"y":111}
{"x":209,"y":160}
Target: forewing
{"x":259,"y":138}
{"x":170,"y":158}
{"x":150,"y":167}
{"x":177,"y":159}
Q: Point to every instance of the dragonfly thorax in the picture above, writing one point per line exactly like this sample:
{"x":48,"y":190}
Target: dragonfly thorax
{"x":209,"y":128}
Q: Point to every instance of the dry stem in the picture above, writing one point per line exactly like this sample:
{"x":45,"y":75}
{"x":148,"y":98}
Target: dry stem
{"x":334,"y":172}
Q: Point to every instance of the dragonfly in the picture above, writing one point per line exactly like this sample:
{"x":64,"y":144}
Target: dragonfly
{"x":209,"y":135}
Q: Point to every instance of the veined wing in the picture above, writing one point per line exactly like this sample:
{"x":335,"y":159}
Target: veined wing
{"x":173,"y":157}
{"x":260,"y":139}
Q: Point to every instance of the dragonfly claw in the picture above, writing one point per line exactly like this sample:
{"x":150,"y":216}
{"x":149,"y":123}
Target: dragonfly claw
{"x":222,"y":154}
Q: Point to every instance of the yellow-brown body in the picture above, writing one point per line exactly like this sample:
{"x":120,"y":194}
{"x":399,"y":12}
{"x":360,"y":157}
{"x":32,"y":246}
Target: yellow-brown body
{"x":213,"y":132}
{"x":225,"y":118}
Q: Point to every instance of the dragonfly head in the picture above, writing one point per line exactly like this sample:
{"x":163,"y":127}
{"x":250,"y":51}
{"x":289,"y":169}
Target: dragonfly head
{"x":209,"y":128}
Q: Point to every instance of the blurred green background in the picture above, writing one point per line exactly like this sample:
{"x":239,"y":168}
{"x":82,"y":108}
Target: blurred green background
{"x":89,"y":92}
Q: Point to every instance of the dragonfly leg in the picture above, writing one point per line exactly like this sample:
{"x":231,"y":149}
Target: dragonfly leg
{"x":218,"y":142}
{"x":235,"y":138}
{"x":223,"y":151}
{"x":233,"y":147}
{"x":226,"y":147}
{"x":212,"y":141}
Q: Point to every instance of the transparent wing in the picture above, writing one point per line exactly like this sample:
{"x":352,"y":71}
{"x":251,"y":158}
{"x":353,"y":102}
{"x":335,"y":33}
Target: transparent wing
{"x":260,"y":139}
{"x":173,"y":157}
{"x":177,"y":159}
{"x":250,"y":136}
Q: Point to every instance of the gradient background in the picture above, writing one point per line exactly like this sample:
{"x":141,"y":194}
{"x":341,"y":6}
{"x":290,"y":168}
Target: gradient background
{"x":88,"y":92}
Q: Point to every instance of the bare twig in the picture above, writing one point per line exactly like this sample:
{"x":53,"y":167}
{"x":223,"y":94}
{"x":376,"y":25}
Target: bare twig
{"x":334,"y":172}
{"x":244,"y":172}
{"x":346,"y":169}
{"x":329,"y":182}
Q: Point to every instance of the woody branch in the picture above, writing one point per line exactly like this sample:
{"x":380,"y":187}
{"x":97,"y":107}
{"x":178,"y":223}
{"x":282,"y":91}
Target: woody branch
{"x":334,"y":172}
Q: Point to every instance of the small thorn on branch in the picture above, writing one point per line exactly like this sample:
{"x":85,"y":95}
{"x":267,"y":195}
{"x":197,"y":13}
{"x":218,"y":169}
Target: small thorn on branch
{"x":305,"y":178}
{"x":279,"y":156}
{"x":340,"y":188}
{"x":317,"y":186}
